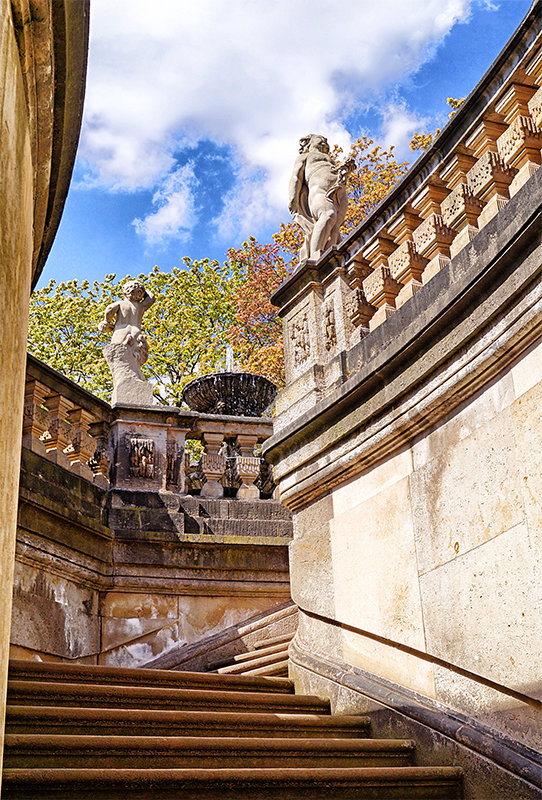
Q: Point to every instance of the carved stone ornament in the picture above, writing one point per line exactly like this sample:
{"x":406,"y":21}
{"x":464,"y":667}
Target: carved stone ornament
{"x":489,"y":172}
{"x":380,"y":287}
{"x":432,"y":235}
{"x":461,"y":205}
{"x":359,"y":309}
{"x":300,"y":339}
{"x":535,"y":108}
{"x":406,"y":263}
{"x":141,"y":458}
{"x":330,"y":332}
{"x":522,"y":135}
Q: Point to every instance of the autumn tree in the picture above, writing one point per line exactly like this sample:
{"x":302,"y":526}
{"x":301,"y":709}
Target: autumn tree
{"x":256,"y":334}
{"x":186,"y":328}
{"x":421,"y":141}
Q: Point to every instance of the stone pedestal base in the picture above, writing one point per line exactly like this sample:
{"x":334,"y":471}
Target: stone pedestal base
{"x":380,"y":316}
{"x":129,"y":384}
{"x":491,"y":208}
{"x":408,"y":291}
{"x":248,"y":492}
{"x":462,"y":239}
{"x":526,"y":171}
{"x":434,"y":266}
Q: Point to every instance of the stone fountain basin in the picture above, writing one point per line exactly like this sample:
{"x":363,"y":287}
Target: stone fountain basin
{"x":238,"y":394}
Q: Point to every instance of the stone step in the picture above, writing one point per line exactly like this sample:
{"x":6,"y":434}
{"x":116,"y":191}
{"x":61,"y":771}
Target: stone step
{"x":49,"y":693}
{"x":250,"y":664}
{"x":263,"y":651}
{"x":83,"y":673}
{"x":130,"y":721}
{"x":286,"y":637}
{"x":362,"y":783}
{"x":279,"y":668}
{"x":176,"y":752}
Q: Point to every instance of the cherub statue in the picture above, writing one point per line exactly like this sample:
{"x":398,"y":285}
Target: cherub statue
{"x":128,"y":348}
{"x":124,"y":317}
{"x":317,"y":195}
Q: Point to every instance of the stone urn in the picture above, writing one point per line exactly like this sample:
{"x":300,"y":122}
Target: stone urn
{"x":238,"y":394}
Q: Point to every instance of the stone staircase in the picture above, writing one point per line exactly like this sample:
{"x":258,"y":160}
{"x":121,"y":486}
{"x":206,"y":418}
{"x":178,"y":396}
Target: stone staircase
{"x":104,"y":733}
{"x":268,"y":657}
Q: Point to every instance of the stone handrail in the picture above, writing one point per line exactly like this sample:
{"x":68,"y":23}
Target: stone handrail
{"x":129,"y":447}
{"x":481,"y":159}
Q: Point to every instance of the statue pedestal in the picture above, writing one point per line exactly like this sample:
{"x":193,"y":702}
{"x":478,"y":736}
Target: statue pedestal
{"x":129,"y":384}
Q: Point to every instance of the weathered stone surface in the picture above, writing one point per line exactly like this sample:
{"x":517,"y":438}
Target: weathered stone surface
{"x":457,"y":508}
{"x":487,"y":595}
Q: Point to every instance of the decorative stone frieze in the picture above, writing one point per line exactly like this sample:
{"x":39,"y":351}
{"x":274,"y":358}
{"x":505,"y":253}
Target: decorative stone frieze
{"x":378,"y":250}
{"x":381,"y":289}
{"x":406,"y":266}
{"x":142,"y":457}
{"x":330,"y":329}
{"x":514,"y":102}
{"x":433,"y":239}
{"x":519,"y":147}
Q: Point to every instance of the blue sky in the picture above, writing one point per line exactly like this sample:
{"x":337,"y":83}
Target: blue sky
{"x":193,"y":112}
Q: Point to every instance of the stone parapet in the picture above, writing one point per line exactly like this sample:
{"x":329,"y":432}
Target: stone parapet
{"x":488,"y":151}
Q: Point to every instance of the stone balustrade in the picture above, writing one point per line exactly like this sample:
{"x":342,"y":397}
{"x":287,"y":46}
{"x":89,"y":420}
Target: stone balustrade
{"x":123,"y":447}
{"x":485,"y":155}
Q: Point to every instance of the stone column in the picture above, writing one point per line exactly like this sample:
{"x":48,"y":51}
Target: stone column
{"x":35,"y":417}
{"x":213,"y":465}
{"x":248,"y":467}
{"x":519,"y":146}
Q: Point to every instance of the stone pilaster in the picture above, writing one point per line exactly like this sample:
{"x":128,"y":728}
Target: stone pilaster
{"x":102,"y":458}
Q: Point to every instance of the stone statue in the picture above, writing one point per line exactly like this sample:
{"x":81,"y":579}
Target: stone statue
{"x":317,"y":196}
{"x":128,"y":349}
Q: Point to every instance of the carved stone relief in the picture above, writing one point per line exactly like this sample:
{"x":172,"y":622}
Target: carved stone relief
{"x":141,"y":458}
{"x":330,"y":331}
{"x":300,"y":338}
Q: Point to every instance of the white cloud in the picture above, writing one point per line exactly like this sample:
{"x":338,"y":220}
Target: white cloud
{"x":246,"y":74}
{"x":175,"y":215}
